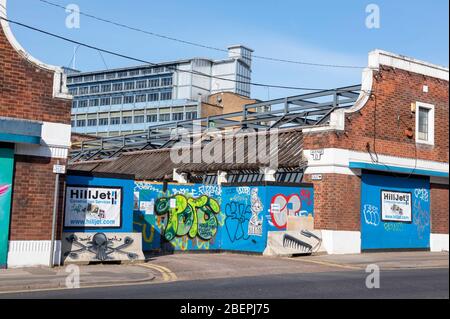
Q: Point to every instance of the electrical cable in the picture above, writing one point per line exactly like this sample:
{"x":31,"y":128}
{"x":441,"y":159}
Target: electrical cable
{"x":156,"y":64}
{"x":209,"y":47}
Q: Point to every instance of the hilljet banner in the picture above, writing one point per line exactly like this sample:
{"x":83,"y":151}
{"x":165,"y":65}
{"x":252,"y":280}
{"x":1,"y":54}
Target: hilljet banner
{"x":396,"y":206}
{"x":93,"y":207}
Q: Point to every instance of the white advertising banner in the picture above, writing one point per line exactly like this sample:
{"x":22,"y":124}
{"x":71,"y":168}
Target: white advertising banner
{"x":396,"y":206}
{"x":93,"y":207}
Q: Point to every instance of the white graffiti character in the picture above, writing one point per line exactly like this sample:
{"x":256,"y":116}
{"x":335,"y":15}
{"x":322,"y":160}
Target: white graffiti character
{"x":255,"y":223}
{"x":371,"y":215}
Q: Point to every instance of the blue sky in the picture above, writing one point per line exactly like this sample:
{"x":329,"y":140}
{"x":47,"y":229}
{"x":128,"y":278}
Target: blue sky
{"x":320,"y":31}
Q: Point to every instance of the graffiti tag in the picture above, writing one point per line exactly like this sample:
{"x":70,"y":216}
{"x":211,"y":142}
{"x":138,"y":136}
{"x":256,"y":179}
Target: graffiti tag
{"x":371,"y":215}
{"x":189,"y":216}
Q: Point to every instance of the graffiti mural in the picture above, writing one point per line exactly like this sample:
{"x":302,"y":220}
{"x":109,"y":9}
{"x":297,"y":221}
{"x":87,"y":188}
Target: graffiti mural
{"x":189,"y":216}
{"x":88,"y":247}
{"x":282,"y":206}
{"x":290,"y":202}
{"x":205,"y":217}
{"x":182,"y":217}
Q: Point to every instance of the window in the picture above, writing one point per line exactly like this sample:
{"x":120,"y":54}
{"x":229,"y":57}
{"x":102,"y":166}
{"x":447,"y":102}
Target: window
{"x":103,"y":122}
{"x":73,"y":91}
{"x":166,"y":96}
{"x":74,"y":104}
{"x":105,"y":101}
{"x":93,"y":102}
{"x":78,"y":79}
{"x":134,"y":72}
{"x":115,"y":120}
{"x":139,"y":119}
{"x":424,"y":123}
{"x":191,"y":115}
{"x":141,"y":84}
{"x":154,"y":83}
{"x":83,"y":103}
{"x":128,"y":99}
{"x":106,"y":88}
{"x":84,"y":90}
{"x":177,"y":116}
{"x":99,"y":76}
{"x":141,"y":98}
{"x":81,"y":123}
{"x":166,"y":81}
{"x":94,"y":89}
{"x":122,"y":74}
{"x":110,"y":76}
{"x":152,"y":118}
{"x":72,"y":123}
{"x":127,"y":120}
{"x":116,"y":100}
{"x":153,"y":97}
{"x":92,"y":122}
{"x":164,"y":117}
{"x":88,"y":78}
{"x":117,"y":86}
{"x":129,"y":85}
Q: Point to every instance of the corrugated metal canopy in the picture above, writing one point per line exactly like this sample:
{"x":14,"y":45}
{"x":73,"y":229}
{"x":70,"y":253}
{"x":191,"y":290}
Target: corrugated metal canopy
{"x":282,"y":150}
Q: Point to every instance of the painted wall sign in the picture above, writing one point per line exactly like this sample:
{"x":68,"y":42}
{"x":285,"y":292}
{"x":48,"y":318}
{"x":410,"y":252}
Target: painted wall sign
{"x":93,"y":207}
{"x":396,"y":206}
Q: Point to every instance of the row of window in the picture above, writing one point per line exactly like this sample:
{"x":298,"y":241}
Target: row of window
{"x":137,"y":119}
{"x":117,"y":100}
{"x":117,"y":75}
{"x":121,"y":86}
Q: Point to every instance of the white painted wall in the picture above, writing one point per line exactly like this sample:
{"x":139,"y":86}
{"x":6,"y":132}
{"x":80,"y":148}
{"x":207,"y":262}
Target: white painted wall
{"x":341,"y":242}
{"x":439,"y":242}
{"x":32,"y":253}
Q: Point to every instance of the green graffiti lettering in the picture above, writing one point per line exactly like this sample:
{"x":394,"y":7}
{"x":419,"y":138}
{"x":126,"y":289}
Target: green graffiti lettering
{"x":194,"y":217}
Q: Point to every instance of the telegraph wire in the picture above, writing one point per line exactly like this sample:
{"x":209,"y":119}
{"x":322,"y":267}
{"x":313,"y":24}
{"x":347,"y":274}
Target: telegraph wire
{"x":162,"y":36}
{"x":156,"y":64}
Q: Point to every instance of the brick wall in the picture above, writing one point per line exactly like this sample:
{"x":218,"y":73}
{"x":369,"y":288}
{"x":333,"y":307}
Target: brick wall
{"x":381,"y":123}
{"x":336,"y":202}
{"x":32,"y":204}
{"x":439,"y":209}
{"x":26,"y":90}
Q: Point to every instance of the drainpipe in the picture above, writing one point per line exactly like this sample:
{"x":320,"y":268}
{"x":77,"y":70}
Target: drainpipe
{"x":55,"y":211}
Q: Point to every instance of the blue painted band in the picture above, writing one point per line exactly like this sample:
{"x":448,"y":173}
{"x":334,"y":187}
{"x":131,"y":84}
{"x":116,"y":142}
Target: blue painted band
{"x":17,"y":138}
{"x":397,"y":169}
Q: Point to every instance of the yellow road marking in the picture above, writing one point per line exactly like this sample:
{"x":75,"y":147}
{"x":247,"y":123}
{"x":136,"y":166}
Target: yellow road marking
{"x":325,"y":263}
{"x":167,"y":274}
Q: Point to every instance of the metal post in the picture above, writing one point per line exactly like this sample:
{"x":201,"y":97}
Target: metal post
{"x":55,"y":210}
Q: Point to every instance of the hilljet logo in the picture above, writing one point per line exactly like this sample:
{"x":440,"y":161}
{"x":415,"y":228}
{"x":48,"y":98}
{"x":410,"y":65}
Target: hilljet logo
{"x":397,"y":197}
{"x":94,"y":195}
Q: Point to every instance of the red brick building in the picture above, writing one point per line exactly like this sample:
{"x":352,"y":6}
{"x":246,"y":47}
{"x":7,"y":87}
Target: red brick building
{"x":34,"y":135}
{"x":396,"y":136}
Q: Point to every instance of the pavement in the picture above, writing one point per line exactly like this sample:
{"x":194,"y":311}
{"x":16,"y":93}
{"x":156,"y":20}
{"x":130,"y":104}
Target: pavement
{"x":179,"y":269}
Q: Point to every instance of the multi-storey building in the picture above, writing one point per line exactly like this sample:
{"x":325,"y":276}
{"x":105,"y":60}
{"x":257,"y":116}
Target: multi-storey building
{"x":128,"y":100}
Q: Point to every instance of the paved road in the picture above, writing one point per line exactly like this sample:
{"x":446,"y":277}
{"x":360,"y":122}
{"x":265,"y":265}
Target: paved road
{"x":414,"y":283}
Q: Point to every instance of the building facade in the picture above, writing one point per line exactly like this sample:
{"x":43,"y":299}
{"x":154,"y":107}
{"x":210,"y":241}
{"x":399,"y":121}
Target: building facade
{"x":128,"y":100}
{"x":371,"y":175}
{"x":34,"y":135}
